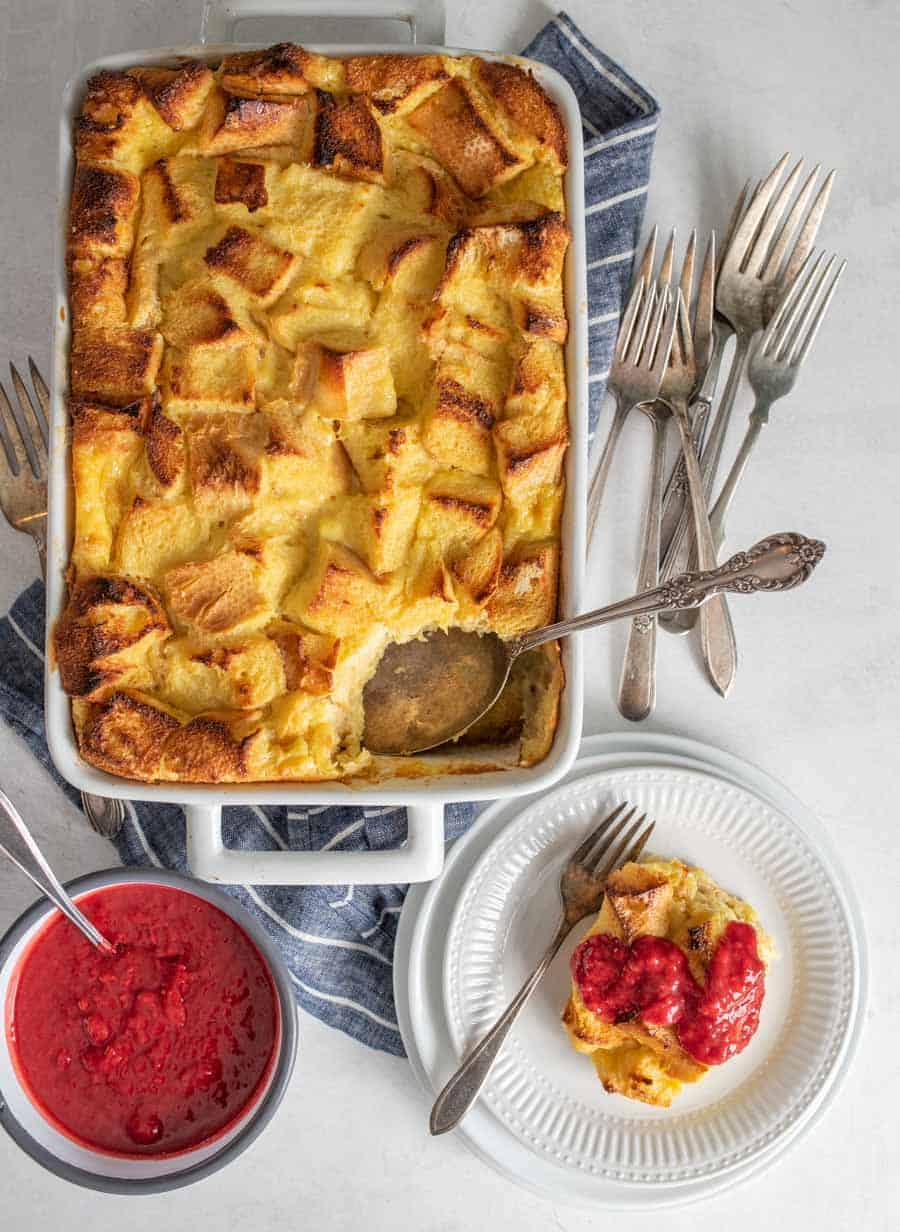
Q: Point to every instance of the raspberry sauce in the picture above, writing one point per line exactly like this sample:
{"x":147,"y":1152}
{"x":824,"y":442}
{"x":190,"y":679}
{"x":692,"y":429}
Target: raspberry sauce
{"x":650,"y":980}
{"x":158,"y":1049}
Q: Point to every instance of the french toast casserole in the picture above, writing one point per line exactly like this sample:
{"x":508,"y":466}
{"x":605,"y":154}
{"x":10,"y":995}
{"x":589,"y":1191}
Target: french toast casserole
{"x":317,"y":401}
{"x":669,"y":980}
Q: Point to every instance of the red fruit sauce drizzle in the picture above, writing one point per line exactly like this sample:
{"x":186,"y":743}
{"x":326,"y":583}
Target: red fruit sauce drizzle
{"x":650,"y":979}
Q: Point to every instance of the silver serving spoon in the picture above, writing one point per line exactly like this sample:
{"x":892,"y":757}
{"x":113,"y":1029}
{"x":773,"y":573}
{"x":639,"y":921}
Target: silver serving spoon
{"x":36,"y":869}
{"x":431,"y":690}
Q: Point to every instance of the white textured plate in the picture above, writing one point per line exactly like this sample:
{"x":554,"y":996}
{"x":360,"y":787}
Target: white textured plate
{"x":418,"y":992}
{"x":548,"y":1096}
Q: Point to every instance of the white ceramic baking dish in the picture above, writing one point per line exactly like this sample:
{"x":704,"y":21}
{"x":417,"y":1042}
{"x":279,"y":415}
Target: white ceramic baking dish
{"x":421,"y":857}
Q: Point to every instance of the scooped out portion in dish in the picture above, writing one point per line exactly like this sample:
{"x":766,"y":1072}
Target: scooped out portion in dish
{"x":669,"y":981}
{"x":318,"y":399}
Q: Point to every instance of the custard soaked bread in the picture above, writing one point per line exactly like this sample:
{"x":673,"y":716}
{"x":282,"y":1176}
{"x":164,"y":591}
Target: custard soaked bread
{"x":669,"y":980}
{"x":317,"y":399}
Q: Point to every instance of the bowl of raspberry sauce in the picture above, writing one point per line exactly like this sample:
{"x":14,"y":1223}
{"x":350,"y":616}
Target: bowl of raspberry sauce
{"x":148,"y":1070}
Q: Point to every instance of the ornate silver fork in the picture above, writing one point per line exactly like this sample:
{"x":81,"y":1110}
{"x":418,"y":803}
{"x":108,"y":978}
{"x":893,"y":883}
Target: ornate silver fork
{"x":776,"y":362}
{"x":761,"y":262}
{"x":25,"y":434}
{"x":637,"y":369}
{"x":637,"y":687}
{"x":581,"y":888}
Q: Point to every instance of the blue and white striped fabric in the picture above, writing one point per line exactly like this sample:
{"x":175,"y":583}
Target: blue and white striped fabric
{"x":338,"y":940}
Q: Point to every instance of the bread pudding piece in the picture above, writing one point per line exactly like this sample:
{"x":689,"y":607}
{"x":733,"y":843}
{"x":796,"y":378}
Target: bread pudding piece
{"x":318,"y":403}
{"x":664,"y":921}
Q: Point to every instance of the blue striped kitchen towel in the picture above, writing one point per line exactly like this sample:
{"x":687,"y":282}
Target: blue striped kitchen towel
{"x":338,"y":940}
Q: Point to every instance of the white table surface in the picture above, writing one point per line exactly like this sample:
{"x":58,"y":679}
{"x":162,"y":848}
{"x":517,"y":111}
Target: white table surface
{"x":816,"y":697}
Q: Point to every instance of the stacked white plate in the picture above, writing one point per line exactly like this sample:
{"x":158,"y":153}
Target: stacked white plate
{"x":467,"y":941}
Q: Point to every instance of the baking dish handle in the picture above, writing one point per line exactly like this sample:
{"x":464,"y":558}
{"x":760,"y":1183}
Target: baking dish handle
{"x":421,"y":857}
{"x":427,"y":19}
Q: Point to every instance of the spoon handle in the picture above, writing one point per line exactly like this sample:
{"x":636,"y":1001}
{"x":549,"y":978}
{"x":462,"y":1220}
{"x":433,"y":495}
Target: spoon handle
{"x":31,"y":862}
{"x":778,"y":562}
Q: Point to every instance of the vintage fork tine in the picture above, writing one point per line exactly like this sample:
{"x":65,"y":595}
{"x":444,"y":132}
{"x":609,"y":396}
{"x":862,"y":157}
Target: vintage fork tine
{"x":684,"y":330}
{"x":805,"y":302}
{"x":746,"y":230}
{"x":30,"y":413}
{"x":705,"y":308}
{"x":628,"y":319}
{"x":612,"y":855}
{"x":640,"y":844}
{"x":645,"y":269}
{"x":796,"y":292}
{"x":648,"y":355}
{"x":664,"y":277}
{"x":800,"y":355}
{"x":763,"y":241}
{"x":605,"y":840}
{"x":666,"y":335}
{"x":12,"y":437}
{"x":686,"y":281}
{"x":810,"y":230}
{"x":636,"y":346}
{"x":737,"y":214}
{"x":791,"y":223}
{"x":42,"y":394}
{"x":578,"y":856}
{"x":804,"y":323}
{"x":21,"y":434}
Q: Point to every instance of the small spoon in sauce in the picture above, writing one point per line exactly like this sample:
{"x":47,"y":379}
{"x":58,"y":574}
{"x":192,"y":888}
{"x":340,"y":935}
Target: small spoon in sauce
{"x":32,"y":863}
{"x":431,"y":690}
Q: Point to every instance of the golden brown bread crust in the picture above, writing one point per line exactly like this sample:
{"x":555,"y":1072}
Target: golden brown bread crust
{"x":348,"y":139}
{"x":114,"y":366}
{"x":177,"y":94}
{"x":105,"y":617}
{"x":527,"y":104}
{"x":318,"y":402}
{"x":463,"y":136}
{"x":102,"y":214}
{"x":241,"y":183}
{"x":394,"y":83}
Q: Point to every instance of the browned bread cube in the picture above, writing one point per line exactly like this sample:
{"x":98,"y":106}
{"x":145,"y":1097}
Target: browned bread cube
{"x":527,"y":104}
{"x":115,"y":366}
{"x":525,"y":596}
{"x":218,"y":595}
{"x":466,"y":139}
{"x":231,"y":124}
{"x":285,"y":68}
{"x":103,"y":212}
{"x":241,"y":183}
{"x":355,"y":385}
{"x":394,"y":83}
{"x":179,"y":95}
{"x":105,"y":633}
{"x":348,"y":139}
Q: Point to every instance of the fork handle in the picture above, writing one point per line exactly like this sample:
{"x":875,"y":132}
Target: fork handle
{"x":675,"y":559}
{"x":598,"y":481}
{"x":675,"y":498}
{"x":637,"y":688}
{"x":758,"y":420}
{"x":716,"y":631}
{"x":462,"y":1090}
